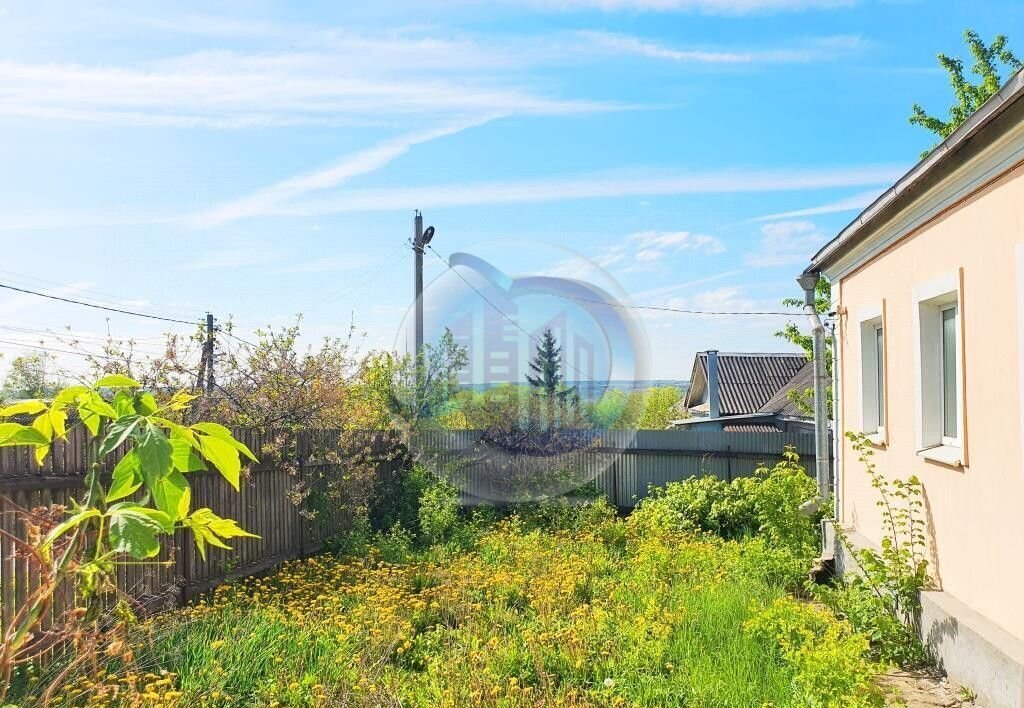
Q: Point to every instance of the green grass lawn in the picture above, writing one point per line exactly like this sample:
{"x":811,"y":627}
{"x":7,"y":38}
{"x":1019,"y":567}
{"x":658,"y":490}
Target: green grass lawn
{"x":606,"y":615}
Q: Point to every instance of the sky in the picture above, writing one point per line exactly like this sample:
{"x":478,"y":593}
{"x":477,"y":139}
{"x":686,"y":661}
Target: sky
{"x":262,"y":159}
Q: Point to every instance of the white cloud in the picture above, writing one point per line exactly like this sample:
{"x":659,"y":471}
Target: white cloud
{"x":853,"y":203}
{"x":655,"y":245}
{"x":228,"y":89}
{"x":786,"y":243}
{"x":359,"y":163}
{"x":820,"y":49}
{"x":623,"y":183}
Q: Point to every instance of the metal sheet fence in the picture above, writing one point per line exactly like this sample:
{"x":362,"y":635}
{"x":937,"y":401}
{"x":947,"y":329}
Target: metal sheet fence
{"x":625,"y":464}
{"x":263,"y":507}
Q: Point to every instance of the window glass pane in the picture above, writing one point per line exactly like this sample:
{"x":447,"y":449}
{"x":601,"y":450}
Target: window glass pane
{"x":880,"y":375}
{"x":949,"y":402}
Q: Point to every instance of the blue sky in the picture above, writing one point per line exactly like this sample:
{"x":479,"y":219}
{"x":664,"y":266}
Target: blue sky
{"x":263,"y":159}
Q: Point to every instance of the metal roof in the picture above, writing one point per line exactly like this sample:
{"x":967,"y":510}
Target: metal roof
{"x":971,"y":137}
{"x":746,"y":381}
{"x":781,"y":403}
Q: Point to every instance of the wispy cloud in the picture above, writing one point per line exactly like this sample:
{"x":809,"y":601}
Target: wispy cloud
{"x":329,"y":264}
{"x":359,"y":163}
{"x":786,"y":243}
{"x":853,"y":203}
{"x":623,"y":183}
{"x":646,"y":249}
{"x":228,"y":89}
{"x":818,"y":49}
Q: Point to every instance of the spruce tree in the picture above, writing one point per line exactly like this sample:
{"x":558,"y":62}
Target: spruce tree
{"x":546,"y":366}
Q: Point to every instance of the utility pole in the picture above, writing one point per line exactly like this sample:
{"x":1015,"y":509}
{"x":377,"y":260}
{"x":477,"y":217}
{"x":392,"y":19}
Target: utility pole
{"x":420,"y":239}
{"x":417,"y":247}
{"x":210,"y":382}
{"x":205,"y":373}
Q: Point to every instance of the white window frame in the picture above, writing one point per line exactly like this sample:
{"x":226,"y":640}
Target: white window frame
{"x":873,"y":409}
{"x":947,"y":440}
{"x":931,"y":299}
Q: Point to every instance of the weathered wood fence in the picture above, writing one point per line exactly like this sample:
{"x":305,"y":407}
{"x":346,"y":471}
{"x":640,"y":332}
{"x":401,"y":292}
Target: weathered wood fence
{"x":625,"y":464}
{"x":264,"y":506}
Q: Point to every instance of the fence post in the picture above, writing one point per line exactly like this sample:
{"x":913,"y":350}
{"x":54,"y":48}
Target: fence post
{"x":300,"y":518}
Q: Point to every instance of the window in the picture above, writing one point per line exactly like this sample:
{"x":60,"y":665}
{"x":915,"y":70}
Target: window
{"x":940,"y":372}
{"x":872,"y":338}
{"x":949,"y":406}
{"x":880,"y":374}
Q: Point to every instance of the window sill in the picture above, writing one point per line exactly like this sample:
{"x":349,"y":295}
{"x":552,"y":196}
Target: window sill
{"x":943,"y":454}
{"x":877,"y":439}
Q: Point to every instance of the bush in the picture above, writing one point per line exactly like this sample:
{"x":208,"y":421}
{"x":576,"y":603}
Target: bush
{"x":827,"y":654}
{"x":883,"y":599}
{"x":765,"y":505}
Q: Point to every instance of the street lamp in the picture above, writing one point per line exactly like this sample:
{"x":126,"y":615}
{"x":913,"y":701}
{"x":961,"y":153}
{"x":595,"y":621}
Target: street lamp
{"x":420,"y":239}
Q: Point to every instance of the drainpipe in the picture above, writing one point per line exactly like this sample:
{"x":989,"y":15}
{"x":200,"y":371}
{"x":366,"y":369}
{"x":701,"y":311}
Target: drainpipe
{"x":808,"y":281}
{"x":714,"y":393}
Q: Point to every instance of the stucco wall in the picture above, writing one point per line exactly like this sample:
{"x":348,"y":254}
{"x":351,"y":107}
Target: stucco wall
{"x":977,"y":511}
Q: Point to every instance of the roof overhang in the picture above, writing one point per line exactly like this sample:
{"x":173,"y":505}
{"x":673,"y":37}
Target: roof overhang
{"x":988,"y":122}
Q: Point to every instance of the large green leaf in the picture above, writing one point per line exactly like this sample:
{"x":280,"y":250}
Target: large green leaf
{"x":208,"y":528}
{"x":124,"y":403}
{"x":184,"y":457}
{"x":127,"y":477}
{"x":221,"y":433}
{"x":224,"y":457}
{"x":71,"y":522}
{"x":172,"y":495}
{"x":155,"y":453}
{"x":44,"y":426}
{"x":120,"y":430}
{"x":93,"y":409}
{"x":18,"y":434}
{"x":135,"y":529}
{"x":116,"y":381}
{"x":145,"y":404}
{"x":69,"y":395}
{"x":22,"y":407}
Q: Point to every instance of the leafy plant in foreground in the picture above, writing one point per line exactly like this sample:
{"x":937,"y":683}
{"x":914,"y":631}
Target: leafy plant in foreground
{"x":79,"y":552}
{"x":883,"y":599}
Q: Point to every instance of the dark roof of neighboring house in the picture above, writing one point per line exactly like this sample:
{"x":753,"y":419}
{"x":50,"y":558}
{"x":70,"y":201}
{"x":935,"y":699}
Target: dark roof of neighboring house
{"x":781,"y":402}
{"x":999,"y":114}
{"x":746,"y":382}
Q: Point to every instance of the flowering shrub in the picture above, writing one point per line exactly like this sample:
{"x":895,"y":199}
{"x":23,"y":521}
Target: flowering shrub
{"x":528,"y":617}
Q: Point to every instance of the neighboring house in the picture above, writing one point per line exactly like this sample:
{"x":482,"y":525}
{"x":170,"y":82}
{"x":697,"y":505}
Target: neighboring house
{"x":737,"y":392}
{"x":928,"y":284}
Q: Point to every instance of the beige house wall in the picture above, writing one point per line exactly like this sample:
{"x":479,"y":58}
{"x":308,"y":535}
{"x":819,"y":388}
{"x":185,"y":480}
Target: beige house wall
{"x":976,"y":509}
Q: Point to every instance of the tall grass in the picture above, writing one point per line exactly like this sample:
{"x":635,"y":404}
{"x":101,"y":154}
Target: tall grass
{"x":602,"y":616}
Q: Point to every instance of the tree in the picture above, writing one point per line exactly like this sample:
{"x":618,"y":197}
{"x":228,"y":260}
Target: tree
{"x":547,"y":367}
{"x":28,"y":378}
{"x":792,"y":333}
{"x":969,"y":96}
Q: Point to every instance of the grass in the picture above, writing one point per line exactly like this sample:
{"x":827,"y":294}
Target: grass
{"x":599,"y":616}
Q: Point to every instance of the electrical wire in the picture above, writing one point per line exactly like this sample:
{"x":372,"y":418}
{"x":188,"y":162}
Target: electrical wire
{"x":105,"y":298}
{"x":382,"y":266}
{"x":95,"y":306}
{"x":665,"y":309}
{"x":499,"y":310}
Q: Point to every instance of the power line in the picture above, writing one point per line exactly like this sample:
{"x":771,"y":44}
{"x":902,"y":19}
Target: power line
{"x":94,"y":305}
{"x":378,"y":268}
{"x":499,"y":310}
{"x":665,"y":309}
{"x":106,"y":298}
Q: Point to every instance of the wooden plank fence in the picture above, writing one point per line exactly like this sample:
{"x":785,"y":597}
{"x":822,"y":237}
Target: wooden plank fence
{"x":263,"y":506}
